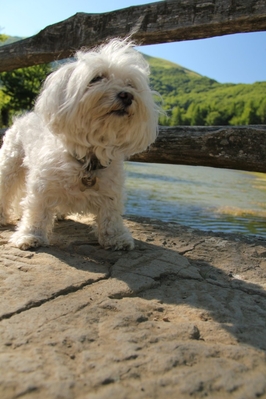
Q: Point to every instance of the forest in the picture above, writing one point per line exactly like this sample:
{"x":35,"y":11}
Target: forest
{"x":192,"y":99}
{"x":186,"y":97}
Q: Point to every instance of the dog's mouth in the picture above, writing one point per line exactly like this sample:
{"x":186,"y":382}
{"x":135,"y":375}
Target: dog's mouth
{"x":119,"y":112}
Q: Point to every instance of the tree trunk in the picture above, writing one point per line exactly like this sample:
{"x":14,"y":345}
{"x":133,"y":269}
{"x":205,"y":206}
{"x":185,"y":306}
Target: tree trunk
{"x":237,"y":147}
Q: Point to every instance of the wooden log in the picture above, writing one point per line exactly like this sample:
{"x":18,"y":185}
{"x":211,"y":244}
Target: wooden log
{"x":160,"y":22}
{"x":236,"y":147}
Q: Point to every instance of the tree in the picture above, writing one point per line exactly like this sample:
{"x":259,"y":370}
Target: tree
{"x":214,"y":118}
{"x":3,"y":38}
{"x":3,"y":99}
{"x":176,"y":119}
{"x":196,"y":115}
{"x":262,"y":111}
{"x":23,"y":85}
{"x":4,"y":114}
{"x":249,"y":116}
{"x":164,"y":120}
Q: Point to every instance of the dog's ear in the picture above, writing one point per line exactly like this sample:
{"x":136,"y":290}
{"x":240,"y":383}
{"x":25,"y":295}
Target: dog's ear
{"x":55,"y":98}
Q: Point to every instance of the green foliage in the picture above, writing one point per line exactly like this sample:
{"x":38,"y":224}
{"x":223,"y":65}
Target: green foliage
{"x":177,"y":116}
{"x":23,"y":85}
{"x":192,"y":99}
{"x":188,"y":98}
{"x":3,"y":37}
{"x":19,"y":89}
{"x":261,"y":112}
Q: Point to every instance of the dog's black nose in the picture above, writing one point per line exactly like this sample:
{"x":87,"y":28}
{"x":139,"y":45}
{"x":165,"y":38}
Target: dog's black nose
{"x":126,"y":98}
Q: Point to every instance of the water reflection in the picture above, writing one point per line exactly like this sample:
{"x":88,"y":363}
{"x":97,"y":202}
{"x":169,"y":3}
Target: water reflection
{"x":220,"y":200}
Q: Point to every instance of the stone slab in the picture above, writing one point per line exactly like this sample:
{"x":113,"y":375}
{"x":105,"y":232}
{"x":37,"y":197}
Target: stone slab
{"x":181,"y":316}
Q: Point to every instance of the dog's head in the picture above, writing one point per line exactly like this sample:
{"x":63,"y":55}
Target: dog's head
{"x":101,"y":102}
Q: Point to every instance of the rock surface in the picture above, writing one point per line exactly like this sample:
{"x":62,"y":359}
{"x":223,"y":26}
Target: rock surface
{"x":181,"y":316}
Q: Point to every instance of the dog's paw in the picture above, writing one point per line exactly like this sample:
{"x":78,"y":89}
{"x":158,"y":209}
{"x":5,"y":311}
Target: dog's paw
{"x":117,"y":242}
{"x":59,"y":216}
{"x":3,"y":219}
{"x":3,"y":222}
{"x":26,"y":241}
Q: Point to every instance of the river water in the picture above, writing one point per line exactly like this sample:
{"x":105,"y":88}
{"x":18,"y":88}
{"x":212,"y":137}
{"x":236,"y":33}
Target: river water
{"x":219,"y":200}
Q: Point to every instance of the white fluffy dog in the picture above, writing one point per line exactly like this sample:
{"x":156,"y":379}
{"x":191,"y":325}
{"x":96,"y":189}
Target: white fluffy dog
{"x":67,"y":155}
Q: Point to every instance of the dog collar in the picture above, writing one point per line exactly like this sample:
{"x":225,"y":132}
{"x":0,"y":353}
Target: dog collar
{"x":92,"y":165}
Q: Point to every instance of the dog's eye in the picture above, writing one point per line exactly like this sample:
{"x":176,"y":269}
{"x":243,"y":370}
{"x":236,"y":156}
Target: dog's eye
{"x":96,"y":79}
{"x":130,"y":84}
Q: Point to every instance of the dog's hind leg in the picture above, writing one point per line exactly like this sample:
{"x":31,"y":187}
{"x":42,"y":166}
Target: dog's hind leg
{"x":12,"y":178}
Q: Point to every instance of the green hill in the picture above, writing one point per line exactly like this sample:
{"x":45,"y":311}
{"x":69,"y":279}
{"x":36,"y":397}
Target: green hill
{"x":192,"y":99}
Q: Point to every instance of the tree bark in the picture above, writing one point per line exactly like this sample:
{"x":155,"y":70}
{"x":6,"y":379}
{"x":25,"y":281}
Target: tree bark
{"x":238,"y":147}
{"x":161,"y":22}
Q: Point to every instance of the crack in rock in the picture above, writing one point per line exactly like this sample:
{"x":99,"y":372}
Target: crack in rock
{"x":63,"y":292}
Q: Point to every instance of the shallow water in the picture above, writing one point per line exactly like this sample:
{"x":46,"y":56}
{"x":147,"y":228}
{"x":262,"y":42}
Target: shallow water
{"x":220,"y":200}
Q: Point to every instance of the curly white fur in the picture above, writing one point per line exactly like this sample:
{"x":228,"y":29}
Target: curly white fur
{"x":99,"y":105}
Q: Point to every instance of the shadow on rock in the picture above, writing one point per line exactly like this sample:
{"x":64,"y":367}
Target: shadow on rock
{"x":217,"y":291}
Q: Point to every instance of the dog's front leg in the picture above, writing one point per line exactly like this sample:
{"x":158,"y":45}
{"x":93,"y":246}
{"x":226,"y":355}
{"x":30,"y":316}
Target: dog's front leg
{"x":111,"y":230}
{"x":35,"y":225}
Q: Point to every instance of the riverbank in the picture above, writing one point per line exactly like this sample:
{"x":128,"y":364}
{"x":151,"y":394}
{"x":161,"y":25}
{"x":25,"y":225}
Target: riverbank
{"x":183,"y":315}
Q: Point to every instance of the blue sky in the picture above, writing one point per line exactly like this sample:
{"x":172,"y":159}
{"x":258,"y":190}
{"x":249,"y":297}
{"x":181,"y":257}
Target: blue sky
{"x":239,"y":58}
